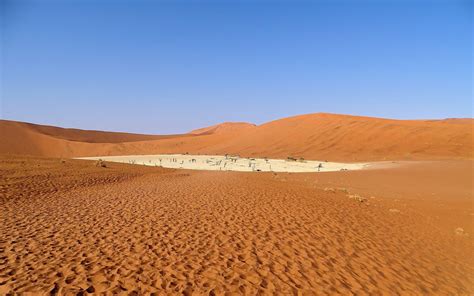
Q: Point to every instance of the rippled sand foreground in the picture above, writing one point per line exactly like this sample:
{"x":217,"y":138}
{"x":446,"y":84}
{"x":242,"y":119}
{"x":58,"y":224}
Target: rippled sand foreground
{"x":70,"y":227}
{"x":232,"y":163}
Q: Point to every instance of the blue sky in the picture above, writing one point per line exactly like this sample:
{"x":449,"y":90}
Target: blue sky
{"x":172,"y":66}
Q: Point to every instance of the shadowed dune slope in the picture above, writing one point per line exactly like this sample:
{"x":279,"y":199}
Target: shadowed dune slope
{"x":312,"y":136}
{"x":39,"y":140}
{"x":88,"y":136}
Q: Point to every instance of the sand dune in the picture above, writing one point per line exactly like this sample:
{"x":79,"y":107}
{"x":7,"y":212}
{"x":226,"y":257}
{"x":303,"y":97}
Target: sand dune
{"x":78,"y":135}
{"x":314,"y":136}
{"x":342,"y":137}
{"x":73,"y":228}
{"x":225,"y":127}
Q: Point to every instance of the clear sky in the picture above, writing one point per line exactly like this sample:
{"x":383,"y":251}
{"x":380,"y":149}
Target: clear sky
{"x":172,"y":66}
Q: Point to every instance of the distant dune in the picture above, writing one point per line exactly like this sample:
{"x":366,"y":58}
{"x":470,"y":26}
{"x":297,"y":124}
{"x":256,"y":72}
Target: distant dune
{"x":223,"y":128}
{"x":317,"y":136}
{"x":343,"y":137}
{"x":78,"y":135}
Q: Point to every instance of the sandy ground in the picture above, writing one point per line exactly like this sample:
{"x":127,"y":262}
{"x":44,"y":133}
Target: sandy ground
{"x":232,"y":163}
{"x":70,"y":227}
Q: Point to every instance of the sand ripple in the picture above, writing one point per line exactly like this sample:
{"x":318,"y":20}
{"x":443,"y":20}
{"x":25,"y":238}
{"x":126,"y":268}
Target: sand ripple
{"x":124,"y":230}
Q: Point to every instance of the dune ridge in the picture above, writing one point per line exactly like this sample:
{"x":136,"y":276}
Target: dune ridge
{"x":319,"y":136}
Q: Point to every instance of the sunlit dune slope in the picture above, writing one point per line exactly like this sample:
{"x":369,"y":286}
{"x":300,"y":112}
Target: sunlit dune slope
{"x":343,"y":137}
{"x":314,"y":136}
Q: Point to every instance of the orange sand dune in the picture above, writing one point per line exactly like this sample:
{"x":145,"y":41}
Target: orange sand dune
{"x":313,"y":136}
{"x":31,"y":139}
{"x":342,"y":137}
{"x":225,"y":127}
{"x":88,"y":136}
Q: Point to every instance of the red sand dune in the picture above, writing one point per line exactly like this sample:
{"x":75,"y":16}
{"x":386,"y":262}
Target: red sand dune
{"x":223,"y":128}
{"x":313,"y":136}
{"x":342,"y":137}
{"x":78,"y":135}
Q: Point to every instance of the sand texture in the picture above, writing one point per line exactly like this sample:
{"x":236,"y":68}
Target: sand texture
{"x":320,"y":136}
{"x":70,"y":227}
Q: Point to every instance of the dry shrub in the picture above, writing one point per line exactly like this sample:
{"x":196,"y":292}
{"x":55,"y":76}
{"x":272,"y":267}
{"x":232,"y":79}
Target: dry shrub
{"x":357,"y":197}
{"x":100,"y":163}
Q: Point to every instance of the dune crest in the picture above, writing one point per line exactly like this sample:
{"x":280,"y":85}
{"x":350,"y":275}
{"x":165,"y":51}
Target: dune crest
{"x":223,"y":128}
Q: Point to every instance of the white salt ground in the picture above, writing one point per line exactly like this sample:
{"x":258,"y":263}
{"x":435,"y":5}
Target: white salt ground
{"x":231,"y":163}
